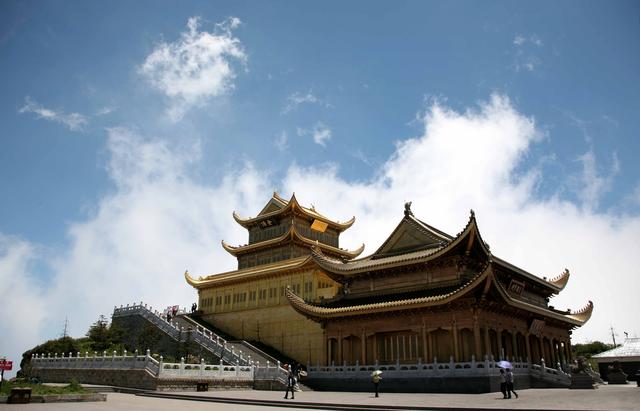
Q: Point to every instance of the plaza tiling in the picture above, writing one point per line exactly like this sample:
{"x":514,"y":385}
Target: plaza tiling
{"x":622,"y":398}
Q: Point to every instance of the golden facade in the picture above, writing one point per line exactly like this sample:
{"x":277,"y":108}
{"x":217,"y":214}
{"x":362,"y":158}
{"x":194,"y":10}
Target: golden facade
{"x":422,"y":296}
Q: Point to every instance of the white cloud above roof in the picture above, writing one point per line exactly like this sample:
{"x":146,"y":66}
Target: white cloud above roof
{"x":200,"y":65}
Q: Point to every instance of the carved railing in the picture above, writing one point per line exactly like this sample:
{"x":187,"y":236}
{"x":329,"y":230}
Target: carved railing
{"x":159,"y":369}
{"x":435,"y":369}
{"x":97,"y":361}
{"x":211,"y":342}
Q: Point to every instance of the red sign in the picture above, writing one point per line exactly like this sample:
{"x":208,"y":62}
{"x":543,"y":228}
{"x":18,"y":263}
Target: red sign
{"x":6,"y":365}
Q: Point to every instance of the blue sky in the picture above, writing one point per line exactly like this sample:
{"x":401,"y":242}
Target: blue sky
{"x":526,"y":112}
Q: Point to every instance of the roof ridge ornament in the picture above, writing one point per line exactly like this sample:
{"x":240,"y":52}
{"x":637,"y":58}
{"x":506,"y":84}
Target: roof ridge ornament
{"x":407,"y":209}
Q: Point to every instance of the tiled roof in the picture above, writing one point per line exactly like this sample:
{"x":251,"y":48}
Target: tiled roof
{"x":317,"y":312}
{"x":279,"y":267}
{"x":290,"y":205}
{"x":628,"y":350}
{"x":292,"y":234}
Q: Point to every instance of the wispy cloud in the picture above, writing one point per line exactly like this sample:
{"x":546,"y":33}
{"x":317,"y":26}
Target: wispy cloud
{"x":319,"y":132}
{"x":196,"y":67}
{"x":74,"y":121}
{"x":103,"y":111}
{"x":591,"y":184}
{"x":296,"y":99}
{"x":282,"y":141}
{"x":525,"y":56}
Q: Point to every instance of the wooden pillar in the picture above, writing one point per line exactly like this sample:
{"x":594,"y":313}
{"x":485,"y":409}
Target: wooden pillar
{"x":487,"y":340}
{"x":374,"y":346}
{"x":339,"y":359}
{"x":499,"y":338}
{"x":329,"y":352}
{"x":363,"y":348}
{"x":425,"y":351}
{"x":528,"y":347}
{"x":430,"y":341}
{"x":553,"y":358}
{"x":514,"y":346}
{"x":476,"y":340}
{"x":456,"y":348}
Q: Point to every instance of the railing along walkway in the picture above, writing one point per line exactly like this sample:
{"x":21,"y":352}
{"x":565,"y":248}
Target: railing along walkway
{"x":205,"y":338}
{"x":435,"y":369}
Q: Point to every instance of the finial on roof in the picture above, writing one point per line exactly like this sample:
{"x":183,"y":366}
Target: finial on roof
{"x":473,"y":214}
{"x":407,"y":209}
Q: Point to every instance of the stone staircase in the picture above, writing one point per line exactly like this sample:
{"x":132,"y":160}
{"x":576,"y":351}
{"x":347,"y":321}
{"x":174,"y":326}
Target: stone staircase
{"x":242,"y":347}
{"x":181,"y":330}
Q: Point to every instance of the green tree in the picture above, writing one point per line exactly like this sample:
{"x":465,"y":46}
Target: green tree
{"x":589,"y":349}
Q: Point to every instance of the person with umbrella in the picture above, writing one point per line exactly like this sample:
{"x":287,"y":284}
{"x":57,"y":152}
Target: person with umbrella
{"x":509,"y":380}
{"x":376,"y":376}
{"x":503,"y":377}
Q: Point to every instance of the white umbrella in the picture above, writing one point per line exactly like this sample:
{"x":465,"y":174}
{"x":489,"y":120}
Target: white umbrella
{"x":376,"y":372}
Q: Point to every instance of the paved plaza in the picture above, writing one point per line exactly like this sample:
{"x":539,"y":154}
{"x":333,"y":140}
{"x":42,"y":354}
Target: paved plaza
{"x":625,"y":397}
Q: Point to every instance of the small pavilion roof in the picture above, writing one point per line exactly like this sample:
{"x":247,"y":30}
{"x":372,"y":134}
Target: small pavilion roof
{"x":293,"y":234}
{"x":278,"y":205}
{"x":628,"y":351}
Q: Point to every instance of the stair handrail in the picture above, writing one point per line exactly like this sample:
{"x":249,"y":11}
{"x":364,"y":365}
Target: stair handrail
{"x":214,"y":345}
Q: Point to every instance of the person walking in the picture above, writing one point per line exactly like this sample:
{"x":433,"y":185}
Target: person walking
{"x":375,"y":378}
{"x":509,"y":381}
{"x":291,"y":382}
{"x":503,"y":384}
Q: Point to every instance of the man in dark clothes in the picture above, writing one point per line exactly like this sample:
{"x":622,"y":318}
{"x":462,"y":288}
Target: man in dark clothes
{"x":503,"y":384}
{"x":291,"y":382}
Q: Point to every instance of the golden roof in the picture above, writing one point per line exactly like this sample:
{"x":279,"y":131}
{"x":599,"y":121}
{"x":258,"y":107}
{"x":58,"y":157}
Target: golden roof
{"x":577,"y":318}
{"x":486,"y":276}
{"x":367,"y":264}
{"x":319,"y":313}
{"x":293,"y":234}
{"x":292,"y":205}
{"x":247,"y":273}
{"x":560,"y":281}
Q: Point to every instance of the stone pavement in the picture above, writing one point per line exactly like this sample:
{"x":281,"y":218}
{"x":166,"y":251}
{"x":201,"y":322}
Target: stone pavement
{"x":622,"y":398}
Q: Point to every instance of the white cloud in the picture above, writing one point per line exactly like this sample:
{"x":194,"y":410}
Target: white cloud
{"x":319,"y":132}
{"x":526,"y":57}
{"x":297,"y":98}
{"x":282,"y":141}
{"x":104,"y":111}
{"x":159,"y":221}
{"x":197,"y":67}
{"x":591,"y":185}
{"x":73,"y":121}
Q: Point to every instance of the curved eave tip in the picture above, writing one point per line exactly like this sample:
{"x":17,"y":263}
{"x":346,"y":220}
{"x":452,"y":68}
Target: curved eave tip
{"x":357,"y":251}
{"x":190,"y":280}
{"x":584,"y":314}
{"x":348,"y":223}
{"x":228,"y":248}
{"x":240,"y":220}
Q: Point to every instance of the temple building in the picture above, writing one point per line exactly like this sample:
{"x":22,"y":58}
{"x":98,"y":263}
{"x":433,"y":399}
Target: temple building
{"x":423,"y":295}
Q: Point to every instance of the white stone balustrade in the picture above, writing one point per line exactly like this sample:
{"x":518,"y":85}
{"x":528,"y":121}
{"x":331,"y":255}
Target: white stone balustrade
{"x":160,"y":369}
{"x":208,"y":340}
{"x":435,"y":369}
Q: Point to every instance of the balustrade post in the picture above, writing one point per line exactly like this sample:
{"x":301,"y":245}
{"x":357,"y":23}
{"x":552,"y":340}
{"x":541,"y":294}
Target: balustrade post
{"x":114,"y":355}
{"x":181,"y":365}
{"x":124,"y":354}
{"x":104,"y":353}
{"x":160,"y":365}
